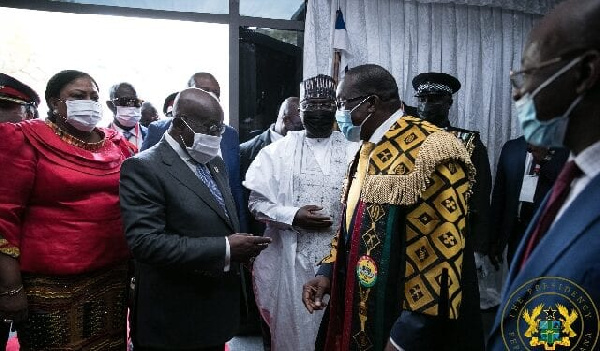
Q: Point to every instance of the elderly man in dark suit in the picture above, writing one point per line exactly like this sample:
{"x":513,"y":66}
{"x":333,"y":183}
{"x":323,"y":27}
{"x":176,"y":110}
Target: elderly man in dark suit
{"x":181,"y":225}
{"x":552,"y":292}
{"x":230,"y":141}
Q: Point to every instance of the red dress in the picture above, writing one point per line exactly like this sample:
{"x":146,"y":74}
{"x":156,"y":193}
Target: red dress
{"x":60,"y":215}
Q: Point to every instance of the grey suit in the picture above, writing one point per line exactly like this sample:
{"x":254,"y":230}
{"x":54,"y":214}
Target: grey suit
{"x":176,"y":231}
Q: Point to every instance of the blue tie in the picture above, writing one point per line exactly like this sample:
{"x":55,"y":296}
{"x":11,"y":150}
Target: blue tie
{"x":204,"y":174}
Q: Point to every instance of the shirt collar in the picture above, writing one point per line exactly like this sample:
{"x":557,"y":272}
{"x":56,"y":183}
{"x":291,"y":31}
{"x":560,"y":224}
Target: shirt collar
{"x":273,"y":134}
{"x":589,"y":160}
{"x":177,"y":148}
{"x":385,"y":126}
{"x":318,"y":142}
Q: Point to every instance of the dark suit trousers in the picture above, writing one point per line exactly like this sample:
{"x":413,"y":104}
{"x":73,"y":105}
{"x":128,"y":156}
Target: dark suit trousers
{"x":4,"y":333}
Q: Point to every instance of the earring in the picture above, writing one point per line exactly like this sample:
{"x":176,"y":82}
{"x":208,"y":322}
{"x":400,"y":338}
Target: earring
{"x":55,"y":111}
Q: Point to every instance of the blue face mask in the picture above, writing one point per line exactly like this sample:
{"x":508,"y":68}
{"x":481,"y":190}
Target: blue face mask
{"x":550,"y":133}
{"x":344,"y":121}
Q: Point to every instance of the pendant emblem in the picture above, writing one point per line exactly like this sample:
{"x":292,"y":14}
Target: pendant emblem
{"x":366,"y":271}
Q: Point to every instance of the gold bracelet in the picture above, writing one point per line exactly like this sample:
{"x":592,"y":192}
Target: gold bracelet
{"x":12,"y":292}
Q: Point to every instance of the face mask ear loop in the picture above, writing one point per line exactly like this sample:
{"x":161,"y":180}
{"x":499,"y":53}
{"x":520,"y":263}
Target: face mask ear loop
{"x":553,"y":77}
{"x":183,"y":141}
{"x":573,"y":105}
{"x":355,"y":107}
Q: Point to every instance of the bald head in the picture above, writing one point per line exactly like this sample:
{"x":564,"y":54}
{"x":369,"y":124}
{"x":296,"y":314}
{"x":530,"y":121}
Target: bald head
{"x":205,"y":81}
{"x":197,"y":104}
{"x":195,"y":111}
{"x":572,"y":25}
{"x":289,"y":116}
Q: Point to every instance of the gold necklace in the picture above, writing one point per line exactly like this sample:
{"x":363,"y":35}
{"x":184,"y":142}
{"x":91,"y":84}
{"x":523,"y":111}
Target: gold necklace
{"x":71,"y":140}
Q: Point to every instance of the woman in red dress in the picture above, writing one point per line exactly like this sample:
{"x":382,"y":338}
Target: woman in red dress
{"x":63,"y":255}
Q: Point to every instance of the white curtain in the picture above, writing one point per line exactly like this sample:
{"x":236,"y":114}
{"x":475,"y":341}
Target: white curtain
{"x":477,"y":41}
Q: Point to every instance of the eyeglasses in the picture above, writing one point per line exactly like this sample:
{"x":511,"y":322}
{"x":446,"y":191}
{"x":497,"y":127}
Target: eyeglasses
{"x":209,"y":129}
{"x":517,"y":78}
{"x":127,"y":102}
{"x":314,"y":106}
{"x":341,"y":104}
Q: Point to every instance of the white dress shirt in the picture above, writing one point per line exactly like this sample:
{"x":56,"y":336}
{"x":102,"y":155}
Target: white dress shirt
{"x":589,"y":162}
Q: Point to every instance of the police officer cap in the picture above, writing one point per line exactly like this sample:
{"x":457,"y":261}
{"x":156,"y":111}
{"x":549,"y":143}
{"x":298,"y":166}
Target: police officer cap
{"x":435,"y":84}
{"x":14,"y":91}
{"x":319,"y":87}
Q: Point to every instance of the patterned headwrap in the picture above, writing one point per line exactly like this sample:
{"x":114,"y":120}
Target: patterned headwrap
{"x":319,"y":87}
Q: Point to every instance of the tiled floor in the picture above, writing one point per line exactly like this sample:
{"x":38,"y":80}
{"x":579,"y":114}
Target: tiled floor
{"x":240,"y":343}
{"x":246,"y":343}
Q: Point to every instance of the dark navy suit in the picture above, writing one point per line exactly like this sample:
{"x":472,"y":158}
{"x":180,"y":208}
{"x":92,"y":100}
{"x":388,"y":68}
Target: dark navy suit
{"x":568,"y":251}
{"x":509,"y":224}
{"x":230,"y":150}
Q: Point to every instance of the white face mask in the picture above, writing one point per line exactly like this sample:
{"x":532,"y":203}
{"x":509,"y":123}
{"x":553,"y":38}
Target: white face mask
{"x":84,"y":115}
{"x":128,"y":116}
{"x":205,"y":147}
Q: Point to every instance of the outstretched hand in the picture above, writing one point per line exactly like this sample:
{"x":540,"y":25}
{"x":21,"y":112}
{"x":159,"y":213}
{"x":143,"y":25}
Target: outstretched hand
{"x":244,"y":247}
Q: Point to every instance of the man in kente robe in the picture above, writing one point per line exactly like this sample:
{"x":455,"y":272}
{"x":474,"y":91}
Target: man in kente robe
{"x":400,"y":272}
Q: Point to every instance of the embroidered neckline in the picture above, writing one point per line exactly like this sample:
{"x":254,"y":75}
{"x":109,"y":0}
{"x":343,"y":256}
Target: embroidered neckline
{"x":71,"y":140}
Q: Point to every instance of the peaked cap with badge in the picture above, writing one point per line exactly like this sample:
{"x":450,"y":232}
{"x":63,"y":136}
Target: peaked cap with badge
{"x":14,"y":91}
{"x":433,"y":83}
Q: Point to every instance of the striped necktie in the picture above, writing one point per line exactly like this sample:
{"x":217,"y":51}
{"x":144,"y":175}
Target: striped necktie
{"x":204,"y":175}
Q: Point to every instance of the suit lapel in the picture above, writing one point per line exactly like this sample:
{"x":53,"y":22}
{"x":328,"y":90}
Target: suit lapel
{"x":180,"y":170}
{"x":564,"y":232}
{"x":568,"y":229}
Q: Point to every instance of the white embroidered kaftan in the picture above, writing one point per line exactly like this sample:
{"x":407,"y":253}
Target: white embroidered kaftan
{"x":286,"y":175}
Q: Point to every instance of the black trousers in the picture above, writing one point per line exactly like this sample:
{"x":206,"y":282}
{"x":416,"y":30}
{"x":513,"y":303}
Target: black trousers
{"x":4,"y":332}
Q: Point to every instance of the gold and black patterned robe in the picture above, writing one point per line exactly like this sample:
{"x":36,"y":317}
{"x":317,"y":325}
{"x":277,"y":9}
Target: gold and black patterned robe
{"x":399,"y":261}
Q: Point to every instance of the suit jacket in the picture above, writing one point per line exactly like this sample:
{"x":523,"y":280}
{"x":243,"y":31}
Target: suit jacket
{"x":176,"y":231}
{"x":569,"y":250}
{"x":230,"y":151}
{"x":509,"y":227}
{"x":248,"y":152}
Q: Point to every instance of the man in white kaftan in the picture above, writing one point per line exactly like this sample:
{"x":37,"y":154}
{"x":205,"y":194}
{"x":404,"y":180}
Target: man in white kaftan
{"x":295,"y":186}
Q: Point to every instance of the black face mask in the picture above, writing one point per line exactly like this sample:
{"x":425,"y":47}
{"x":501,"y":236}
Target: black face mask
{"x":318,"y":124}
{"x":434,"y":112}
